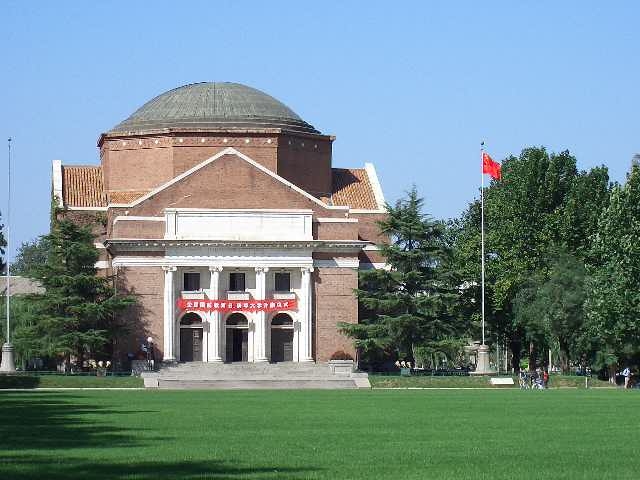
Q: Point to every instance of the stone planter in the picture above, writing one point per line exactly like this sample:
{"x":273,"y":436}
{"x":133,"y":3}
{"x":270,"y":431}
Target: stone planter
{"x":341,"y":367}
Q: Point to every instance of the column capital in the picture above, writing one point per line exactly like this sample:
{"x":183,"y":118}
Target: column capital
{"x":169,"y":268}
{"x":306,"y":269}
{"x":262,"y":269}
{"x":215,"y":268}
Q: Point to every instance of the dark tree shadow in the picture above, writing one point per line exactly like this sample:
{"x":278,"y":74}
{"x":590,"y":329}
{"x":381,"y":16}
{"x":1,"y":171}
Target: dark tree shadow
{"x":39,"y":432}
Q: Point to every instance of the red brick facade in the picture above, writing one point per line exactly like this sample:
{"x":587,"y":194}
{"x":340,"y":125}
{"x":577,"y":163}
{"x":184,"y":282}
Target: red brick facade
{"x":250,"y":169}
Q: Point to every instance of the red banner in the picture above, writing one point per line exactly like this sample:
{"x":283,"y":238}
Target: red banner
{"x":237,"y":305}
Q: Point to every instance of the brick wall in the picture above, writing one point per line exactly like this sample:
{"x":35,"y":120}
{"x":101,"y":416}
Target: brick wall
{"x":147,"y":318}
{"x":334,"y":302}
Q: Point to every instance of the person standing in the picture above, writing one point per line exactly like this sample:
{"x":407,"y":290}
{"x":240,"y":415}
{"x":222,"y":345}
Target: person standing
{"x":545,"y":378}
{"x":626,"y":373}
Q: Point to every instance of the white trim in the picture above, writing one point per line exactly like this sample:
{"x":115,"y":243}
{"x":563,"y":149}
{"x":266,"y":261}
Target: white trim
{"x":140,"y":219}
{"x":364,"y":210}
{"x":99,"y":246}
{"x":56,"y":178}
{"x":101,"y":264}
{"x":232,"y":151}
{"x":87,"y":209}
{"x":371,"y":248}
{"x":335,"y":220}
{"x":339,"y":262}
{"x":247,"y":262}
{"x":375,"y":184}
{"x":238,"y":210}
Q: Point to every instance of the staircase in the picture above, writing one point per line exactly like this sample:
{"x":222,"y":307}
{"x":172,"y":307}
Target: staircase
{"x":286,"y":375}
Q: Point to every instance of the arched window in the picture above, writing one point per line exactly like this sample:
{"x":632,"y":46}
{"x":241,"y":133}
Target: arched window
{"x":190,"y":318}
{"x":237,"y":320}
{"x":282,"y":320}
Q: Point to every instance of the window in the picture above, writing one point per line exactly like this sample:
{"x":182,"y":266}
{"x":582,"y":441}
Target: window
{"x":191,"y":281}
{"x":236,"y":282}
{"x":283,"y":282}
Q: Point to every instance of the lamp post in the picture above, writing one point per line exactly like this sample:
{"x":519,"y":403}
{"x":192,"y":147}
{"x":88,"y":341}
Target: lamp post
{"x":8,"y":364}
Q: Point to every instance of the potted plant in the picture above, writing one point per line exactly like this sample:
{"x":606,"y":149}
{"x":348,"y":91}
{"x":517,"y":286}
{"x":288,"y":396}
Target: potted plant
{"x":341,"y":363}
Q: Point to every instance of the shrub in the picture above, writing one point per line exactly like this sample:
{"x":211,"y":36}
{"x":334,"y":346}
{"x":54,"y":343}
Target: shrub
{"x":341,"y":355}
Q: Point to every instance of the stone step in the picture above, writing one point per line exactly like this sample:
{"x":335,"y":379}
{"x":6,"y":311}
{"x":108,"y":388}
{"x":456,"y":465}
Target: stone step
{"x":248,"y":384}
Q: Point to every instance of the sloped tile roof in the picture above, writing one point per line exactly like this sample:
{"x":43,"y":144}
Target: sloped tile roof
{"x":126,"y":197}
{"x":352,"y":188}
{"x":82,"y":186}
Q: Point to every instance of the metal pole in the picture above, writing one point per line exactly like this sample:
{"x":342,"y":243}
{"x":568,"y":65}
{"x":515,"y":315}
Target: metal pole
{"x":9,"y":244}
{"x":8,"y":363}
{"x":482,"y":229}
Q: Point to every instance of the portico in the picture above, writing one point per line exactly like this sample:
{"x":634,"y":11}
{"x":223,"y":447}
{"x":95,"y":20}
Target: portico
{"x":233,"y":293}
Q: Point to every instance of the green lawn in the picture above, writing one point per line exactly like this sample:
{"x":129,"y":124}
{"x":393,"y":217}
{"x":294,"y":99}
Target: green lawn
{"x":396,"y":381}
{"x":436,"y":434}
{"x":68,"y":381}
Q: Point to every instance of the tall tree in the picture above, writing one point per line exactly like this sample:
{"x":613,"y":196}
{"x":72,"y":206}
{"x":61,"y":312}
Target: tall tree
{"x":413,"y":303}
{"x":31,"y":255}
{"x":541,"y":206}
{"x":80,"y":310}
{"x":613,"y":303}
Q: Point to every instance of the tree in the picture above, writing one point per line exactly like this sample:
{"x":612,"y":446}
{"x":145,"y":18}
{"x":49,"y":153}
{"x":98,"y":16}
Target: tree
{"x":612,"y":329}
{"x":413,"y":303}
{"x":552,"y":309}
{"x":30,"y":256}
{"x":80,"y":311}
{"x":542,"y":206}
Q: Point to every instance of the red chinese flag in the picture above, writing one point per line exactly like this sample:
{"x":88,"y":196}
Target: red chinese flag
{"x":491,"y":167}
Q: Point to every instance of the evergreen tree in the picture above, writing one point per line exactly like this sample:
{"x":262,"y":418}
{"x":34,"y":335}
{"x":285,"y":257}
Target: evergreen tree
{"x":80,"y":311}
{"x":412,"y":304}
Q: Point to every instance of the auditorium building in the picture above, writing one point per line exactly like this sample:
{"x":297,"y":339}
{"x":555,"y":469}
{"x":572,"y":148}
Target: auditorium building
{"x":219,"y":208}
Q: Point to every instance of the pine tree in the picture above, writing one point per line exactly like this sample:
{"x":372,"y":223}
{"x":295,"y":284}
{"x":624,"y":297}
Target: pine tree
{"x":80,"y":311}
{"x":410,"y":305}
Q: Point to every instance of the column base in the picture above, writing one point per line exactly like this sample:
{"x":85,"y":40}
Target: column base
{"x":8,"y":363}
{"x":482,"y":367}
{"x":261,"y":360}
{"x":215,"y":360}
{"x":306,"y":360}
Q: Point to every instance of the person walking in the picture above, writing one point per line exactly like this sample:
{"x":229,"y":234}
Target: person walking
{"x":626,"y":373}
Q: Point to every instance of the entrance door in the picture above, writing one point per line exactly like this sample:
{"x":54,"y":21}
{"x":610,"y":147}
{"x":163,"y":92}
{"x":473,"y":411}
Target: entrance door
{"x":281,"y":345}
{"x":237,"y":342}
{"x":191,"y":344}
{"x":282,"y":338}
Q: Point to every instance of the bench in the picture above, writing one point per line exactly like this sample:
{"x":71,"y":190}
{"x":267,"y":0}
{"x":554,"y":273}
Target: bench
{"x":502,"y":381}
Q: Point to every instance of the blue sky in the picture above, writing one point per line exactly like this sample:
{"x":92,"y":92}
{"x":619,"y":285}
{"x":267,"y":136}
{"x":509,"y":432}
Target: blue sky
{"x":412,"y":87}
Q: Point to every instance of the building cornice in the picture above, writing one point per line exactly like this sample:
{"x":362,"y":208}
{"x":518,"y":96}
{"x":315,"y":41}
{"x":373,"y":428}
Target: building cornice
{"x":129,"y":244}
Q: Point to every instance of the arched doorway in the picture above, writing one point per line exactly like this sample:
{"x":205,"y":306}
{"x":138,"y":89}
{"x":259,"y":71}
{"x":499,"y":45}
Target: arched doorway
{"x":191,"y":337}
{"x":282,"y":338}
{"x":237,"y":337}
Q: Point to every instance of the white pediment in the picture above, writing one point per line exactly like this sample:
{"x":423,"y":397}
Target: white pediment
{"x":238,"y":224}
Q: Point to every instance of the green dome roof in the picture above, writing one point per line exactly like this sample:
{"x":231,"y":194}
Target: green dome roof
{"x":211,"y":105}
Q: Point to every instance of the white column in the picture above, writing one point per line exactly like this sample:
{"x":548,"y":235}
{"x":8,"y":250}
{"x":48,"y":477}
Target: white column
{"x":215,"y":328}
{"x":169,"y":320}
{"x":305,"y":316}
{"x":260,"y":332}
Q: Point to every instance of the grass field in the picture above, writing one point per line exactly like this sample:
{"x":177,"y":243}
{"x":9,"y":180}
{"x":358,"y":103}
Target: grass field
{"x":68,"y":381}
{"x":396,"y":381}
{"x":437,"y":434}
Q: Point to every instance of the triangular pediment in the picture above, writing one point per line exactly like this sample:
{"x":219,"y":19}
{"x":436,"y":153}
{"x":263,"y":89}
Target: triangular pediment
{"x":229,"y":179}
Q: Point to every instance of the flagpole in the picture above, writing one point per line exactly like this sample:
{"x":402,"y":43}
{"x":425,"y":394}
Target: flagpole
{"x":482,"y":359}
{"x":482,"y":229}
{"x":8,"y":364}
